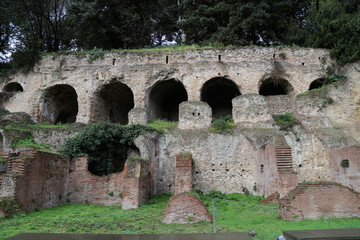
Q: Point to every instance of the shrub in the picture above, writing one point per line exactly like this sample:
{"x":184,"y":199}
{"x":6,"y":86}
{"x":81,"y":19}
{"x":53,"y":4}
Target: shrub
{"x":222,"y":125}
{"x":285,"y":121}
{"x":103,"y":142}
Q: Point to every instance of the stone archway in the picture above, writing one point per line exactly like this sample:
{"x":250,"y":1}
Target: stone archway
{"x":218,"y":93}
{"x":275,"y":86}
{"x":113,"y":102}
{"x":13,"y":87}
{"x":163,"y":100}
{"x":59,"y":104}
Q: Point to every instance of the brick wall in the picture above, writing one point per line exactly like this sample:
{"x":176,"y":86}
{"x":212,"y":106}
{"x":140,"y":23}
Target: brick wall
{"x":85,"y":187}
{"x":320,"y":200}
{"x":41,"y":180}
{"x":183,"y":173}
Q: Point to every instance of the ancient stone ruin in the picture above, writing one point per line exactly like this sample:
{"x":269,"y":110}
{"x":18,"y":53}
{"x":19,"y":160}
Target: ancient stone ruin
{"x":320,"y":151}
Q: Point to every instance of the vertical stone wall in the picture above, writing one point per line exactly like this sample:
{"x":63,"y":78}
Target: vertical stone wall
{"x":320,"y":200}
{"x":345,"y":166}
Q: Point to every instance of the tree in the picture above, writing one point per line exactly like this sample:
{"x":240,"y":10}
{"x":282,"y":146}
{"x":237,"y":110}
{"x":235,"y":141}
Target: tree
{"x":243,"y":22}
{"x":332,"y":24}
{"x":112,"y":24}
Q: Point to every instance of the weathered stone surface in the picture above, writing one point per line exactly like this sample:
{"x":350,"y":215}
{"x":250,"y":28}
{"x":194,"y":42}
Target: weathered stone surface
{"x":138,"y":116}
{"x":15,"y":118}
{"x":7,"y":187}
{"x":246,"y":67}
{"x":251,"y":110}
{"x":194,"y":115}
{"x":185,"y":208}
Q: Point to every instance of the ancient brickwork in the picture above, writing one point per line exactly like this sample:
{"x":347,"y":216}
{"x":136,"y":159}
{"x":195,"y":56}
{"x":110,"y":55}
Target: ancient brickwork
{"x":320,"y":200}
{"x":42,"y":180}
{"x":85,"y":187}
{"x":136,"y":183}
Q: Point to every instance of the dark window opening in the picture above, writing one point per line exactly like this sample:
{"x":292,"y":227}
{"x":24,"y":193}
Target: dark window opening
{"x":345,"y":163}
{"x":318,"y":83}
{"x":164,"y":99}
{"x":13,"y":87}
{"x":59,"y":105}
{"x":218,"y":93}
{"x":102,"y":165}
{"x":272,"y":87}
{"x":113,"y":103}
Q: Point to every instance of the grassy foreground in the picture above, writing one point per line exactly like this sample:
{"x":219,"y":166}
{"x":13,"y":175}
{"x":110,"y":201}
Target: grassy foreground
{"x":234,"y":213}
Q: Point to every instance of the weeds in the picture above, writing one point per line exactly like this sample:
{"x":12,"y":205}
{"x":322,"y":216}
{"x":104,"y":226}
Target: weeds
{"x":222,"y":125}
{"x":285,"y":121}
{"x":161,"y":125}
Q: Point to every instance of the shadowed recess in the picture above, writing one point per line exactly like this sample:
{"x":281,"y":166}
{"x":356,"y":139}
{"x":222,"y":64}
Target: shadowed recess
{"x":274,"y":86}
{"x":318,"y":83}
{"x":218,"y":93}
{"x":59,"y":104}
{"x":164,"y":100}
{"x":114,"y":163}
{"x":13,"y":87}
{"x":113,"y":103}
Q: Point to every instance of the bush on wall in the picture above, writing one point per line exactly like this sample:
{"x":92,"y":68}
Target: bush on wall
{"x":104,"y":143}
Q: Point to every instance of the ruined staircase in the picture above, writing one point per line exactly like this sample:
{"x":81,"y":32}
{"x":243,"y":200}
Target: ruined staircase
{"x":284,"y":159}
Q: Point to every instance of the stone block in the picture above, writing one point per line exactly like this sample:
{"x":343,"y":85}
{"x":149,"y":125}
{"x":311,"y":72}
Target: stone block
{"x":138,"y":116}
{"x":250,"y":109}
{"x":194,"y":115}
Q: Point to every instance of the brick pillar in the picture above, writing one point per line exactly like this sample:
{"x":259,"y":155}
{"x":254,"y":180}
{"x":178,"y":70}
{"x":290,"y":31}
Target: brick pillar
{"x":136,"y":187}
{"x":183,"y":173}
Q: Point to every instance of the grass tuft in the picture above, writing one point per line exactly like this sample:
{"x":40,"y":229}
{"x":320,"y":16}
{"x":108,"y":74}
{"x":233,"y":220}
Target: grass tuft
{"x":162,"y":125}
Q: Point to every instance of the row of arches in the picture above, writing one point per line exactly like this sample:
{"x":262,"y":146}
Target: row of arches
{"x":113,"y":101}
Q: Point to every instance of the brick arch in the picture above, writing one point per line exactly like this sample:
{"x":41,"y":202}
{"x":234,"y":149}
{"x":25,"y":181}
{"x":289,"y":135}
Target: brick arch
{"x":218,"y":92}
{"x":163,"y":99}
{"x":317,"y":83}
{"x":112,"y":102}
{"x":59,"y":104}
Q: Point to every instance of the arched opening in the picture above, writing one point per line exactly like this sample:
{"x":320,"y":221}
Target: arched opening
{"x":318,"y":83}
{"x":100,"y":165}
{"x":59,"y":104}
{"x":274,"y":86}
{"x":13,"y":87}
{"x":164,"y":98}
{"x":218,"y":93}
{"x":113,"y":103}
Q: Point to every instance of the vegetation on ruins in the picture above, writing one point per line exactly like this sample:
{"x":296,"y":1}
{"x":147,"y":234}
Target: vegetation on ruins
{"x":285,"y":121}
{"x":222,"y":125}
{"x":104,"y":143}
{"x":234,"y":213}
{"x":30,"y":27}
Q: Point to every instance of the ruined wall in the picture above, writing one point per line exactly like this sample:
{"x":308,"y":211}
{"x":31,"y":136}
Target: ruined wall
{"x":140,"y":71}
{"x":85,"y":187}
{"x":42,"y":182}
{"x":320,"y":200}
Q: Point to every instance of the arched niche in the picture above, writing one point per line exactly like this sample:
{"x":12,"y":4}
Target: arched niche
{"x":218,"y":93}
{"x":275,"y":86}
{"x":59,"y":104}
{"x":318,"y":83}
{"x":113,"y":102}
{"x":163,"y":100}
{"x":13,"y":87}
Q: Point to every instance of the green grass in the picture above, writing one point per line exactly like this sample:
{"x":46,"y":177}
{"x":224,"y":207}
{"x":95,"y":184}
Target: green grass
{"x":161,"y":125}
{"x":29,"y":142}
{"x":234,"y":213}
{"x":48,"y":126}
{"x":285,"y":121}
{"x":2,"y":159}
